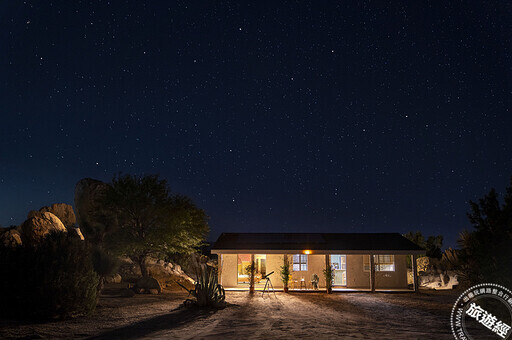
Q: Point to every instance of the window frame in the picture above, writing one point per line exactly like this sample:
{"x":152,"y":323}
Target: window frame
{"x":378,"y":264}
{"x":303,"y":262}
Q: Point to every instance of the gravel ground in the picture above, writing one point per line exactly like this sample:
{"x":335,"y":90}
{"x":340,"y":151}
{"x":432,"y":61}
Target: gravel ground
{"x":293,"y":315}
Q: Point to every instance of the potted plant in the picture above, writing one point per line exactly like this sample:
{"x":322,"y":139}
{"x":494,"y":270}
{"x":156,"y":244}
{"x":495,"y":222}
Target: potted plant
{"x":329,"y":279}
{"x":285,"y":273}
{"x":251,"y":270}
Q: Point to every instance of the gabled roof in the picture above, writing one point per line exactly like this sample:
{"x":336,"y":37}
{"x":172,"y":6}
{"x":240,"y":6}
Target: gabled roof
{"x":319,"y":243}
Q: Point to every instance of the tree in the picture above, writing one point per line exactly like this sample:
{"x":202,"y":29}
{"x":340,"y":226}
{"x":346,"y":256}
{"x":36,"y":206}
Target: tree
{"x":486,"y":254}
{"x":151,"y":221}
{"x":432,"y":245}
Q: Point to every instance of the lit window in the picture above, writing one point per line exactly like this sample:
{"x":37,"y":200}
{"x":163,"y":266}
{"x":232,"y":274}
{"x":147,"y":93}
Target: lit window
{"x":300,"y":262}
{"x":244,"y":262}
{"x":383,"y":263}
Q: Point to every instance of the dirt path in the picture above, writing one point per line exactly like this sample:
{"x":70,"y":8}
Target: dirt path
{"x":297,"y":315}
{"x":356,"y":316}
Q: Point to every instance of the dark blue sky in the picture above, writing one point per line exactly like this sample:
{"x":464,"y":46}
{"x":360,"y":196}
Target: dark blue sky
{"x":348,"y":116}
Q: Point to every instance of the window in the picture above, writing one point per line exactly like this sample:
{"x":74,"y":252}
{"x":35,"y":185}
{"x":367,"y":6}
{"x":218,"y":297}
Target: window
{"x":300,"y":263}
{"x":383,"y":263}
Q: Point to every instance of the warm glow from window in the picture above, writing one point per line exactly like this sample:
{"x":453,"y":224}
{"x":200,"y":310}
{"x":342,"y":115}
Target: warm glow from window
{"x":300,"y":263}
{"x":383,"y":263}
{"x":244,"y":261}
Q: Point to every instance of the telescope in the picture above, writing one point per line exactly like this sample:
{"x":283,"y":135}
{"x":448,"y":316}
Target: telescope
{"x":268,"y":284}
{"x":266,"y":276}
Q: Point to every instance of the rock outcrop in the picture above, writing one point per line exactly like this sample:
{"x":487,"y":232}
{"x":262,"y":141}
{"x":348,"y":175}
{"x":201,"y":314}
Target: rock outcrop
{"x":161,"y":270}
{"x":438,"y":274}
{"x":78,"y":233}
{"x":63,"y":211}
{"x":148,"y":285}
{"x":10,"y":238}
{"x":38,"y":225}
{"x":116,"y":278}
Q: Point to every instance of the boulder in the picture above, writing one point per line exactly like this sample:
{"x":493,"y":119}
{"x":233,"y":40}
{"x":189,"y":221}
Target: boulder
{"x":116,"y":278}
{"x":148,"y":283}
{"x":92,"y":219}
{"x":161,"y":270}
{"x":63,"y":211}
{"x":11,"y":238}
{"x":39,"y":225}
{"x":78,"y":233}
{"x":443,"y":281}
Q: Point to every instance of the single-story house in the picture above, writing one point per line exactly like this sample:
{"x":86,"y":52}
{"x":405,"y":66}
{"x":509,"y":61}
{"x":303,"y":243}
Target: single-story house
{"x":352,"y":257}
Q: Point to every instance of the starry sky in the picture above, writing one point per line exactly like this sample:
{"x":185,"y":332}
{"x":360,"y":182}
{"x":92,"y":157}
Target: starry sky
{"x":351,"y":116}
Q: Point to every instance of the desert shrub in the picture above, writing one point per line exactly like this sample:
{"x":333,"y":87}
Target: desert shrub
{"x":104,"y":264}
{"x":207,"y":291}
{"x":54,"y":279}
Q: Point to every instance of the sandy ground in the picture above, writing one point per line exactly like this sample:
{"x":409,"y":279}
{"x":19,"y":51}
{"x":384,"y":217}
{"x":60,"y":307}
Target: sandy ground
{"x":293,"y":315}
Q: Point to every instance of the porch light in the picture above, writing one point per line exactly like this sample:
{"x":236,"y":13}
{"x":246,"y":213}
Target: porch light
{"x":307,"y":252}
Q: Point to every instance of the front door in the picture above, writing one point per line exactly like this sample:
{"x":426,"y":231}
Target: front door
{"x":339,"y":264}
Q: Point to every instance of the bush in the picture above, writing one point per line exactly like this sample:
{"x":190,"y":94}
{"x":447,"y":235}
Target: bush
{"x":104,"y":264}
{"x":54,"y":279}
{"x":208,"y":292}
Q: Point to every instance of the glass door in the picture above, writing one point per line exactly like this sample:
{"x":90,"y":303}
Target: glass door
{"x":339,"y":264}
{"x":244,"y":263}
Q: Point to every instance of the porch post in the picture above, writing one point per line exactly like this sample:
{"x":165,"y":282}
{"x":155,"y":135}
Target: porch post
{"x":372,"y":273}
{"x":219,"y":268}
{"x":414,"y":273}
{"x":251,"y":275}
{"x":327,"y":265}
{"x":286,"y":281}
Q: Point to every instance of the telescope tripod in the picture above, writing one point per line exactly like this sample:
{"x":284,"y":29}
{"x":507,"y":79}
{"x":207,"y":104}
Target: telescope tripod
{"x":268,"y":285}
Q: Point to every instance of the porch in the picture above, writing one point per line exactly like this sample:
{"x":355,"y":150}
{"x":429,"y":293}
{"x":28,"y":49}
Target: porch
{"x":359,"y":261}
{"x":351,"y":272}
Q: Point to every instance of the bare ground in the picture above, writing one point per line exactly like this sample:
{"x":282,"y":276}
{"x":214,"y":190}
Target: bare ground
{"x":341,"y":315}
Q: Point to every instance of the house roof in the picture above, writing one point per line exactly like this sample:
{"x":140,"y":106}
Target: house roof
{"x":319,"y":243}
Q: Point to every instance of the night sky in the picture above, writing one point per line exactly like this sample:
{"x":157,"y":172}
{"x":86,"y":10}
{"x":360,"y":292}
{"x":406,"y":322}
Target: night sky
{"x":348,"y":116}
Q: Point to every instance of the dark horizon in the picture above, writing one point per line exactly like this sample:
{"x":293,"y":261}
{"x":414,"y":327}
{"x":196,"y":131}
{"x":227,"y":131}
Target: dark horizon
{"x":330,"y":117}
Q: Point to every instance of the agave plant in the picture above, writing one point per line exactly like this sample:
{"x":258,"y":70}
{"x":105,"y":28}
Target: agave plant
{"x":207,"y":291}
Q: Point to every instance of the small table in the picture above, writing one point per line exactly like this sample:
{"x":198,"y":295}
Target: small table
{"x":303,"y":284}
